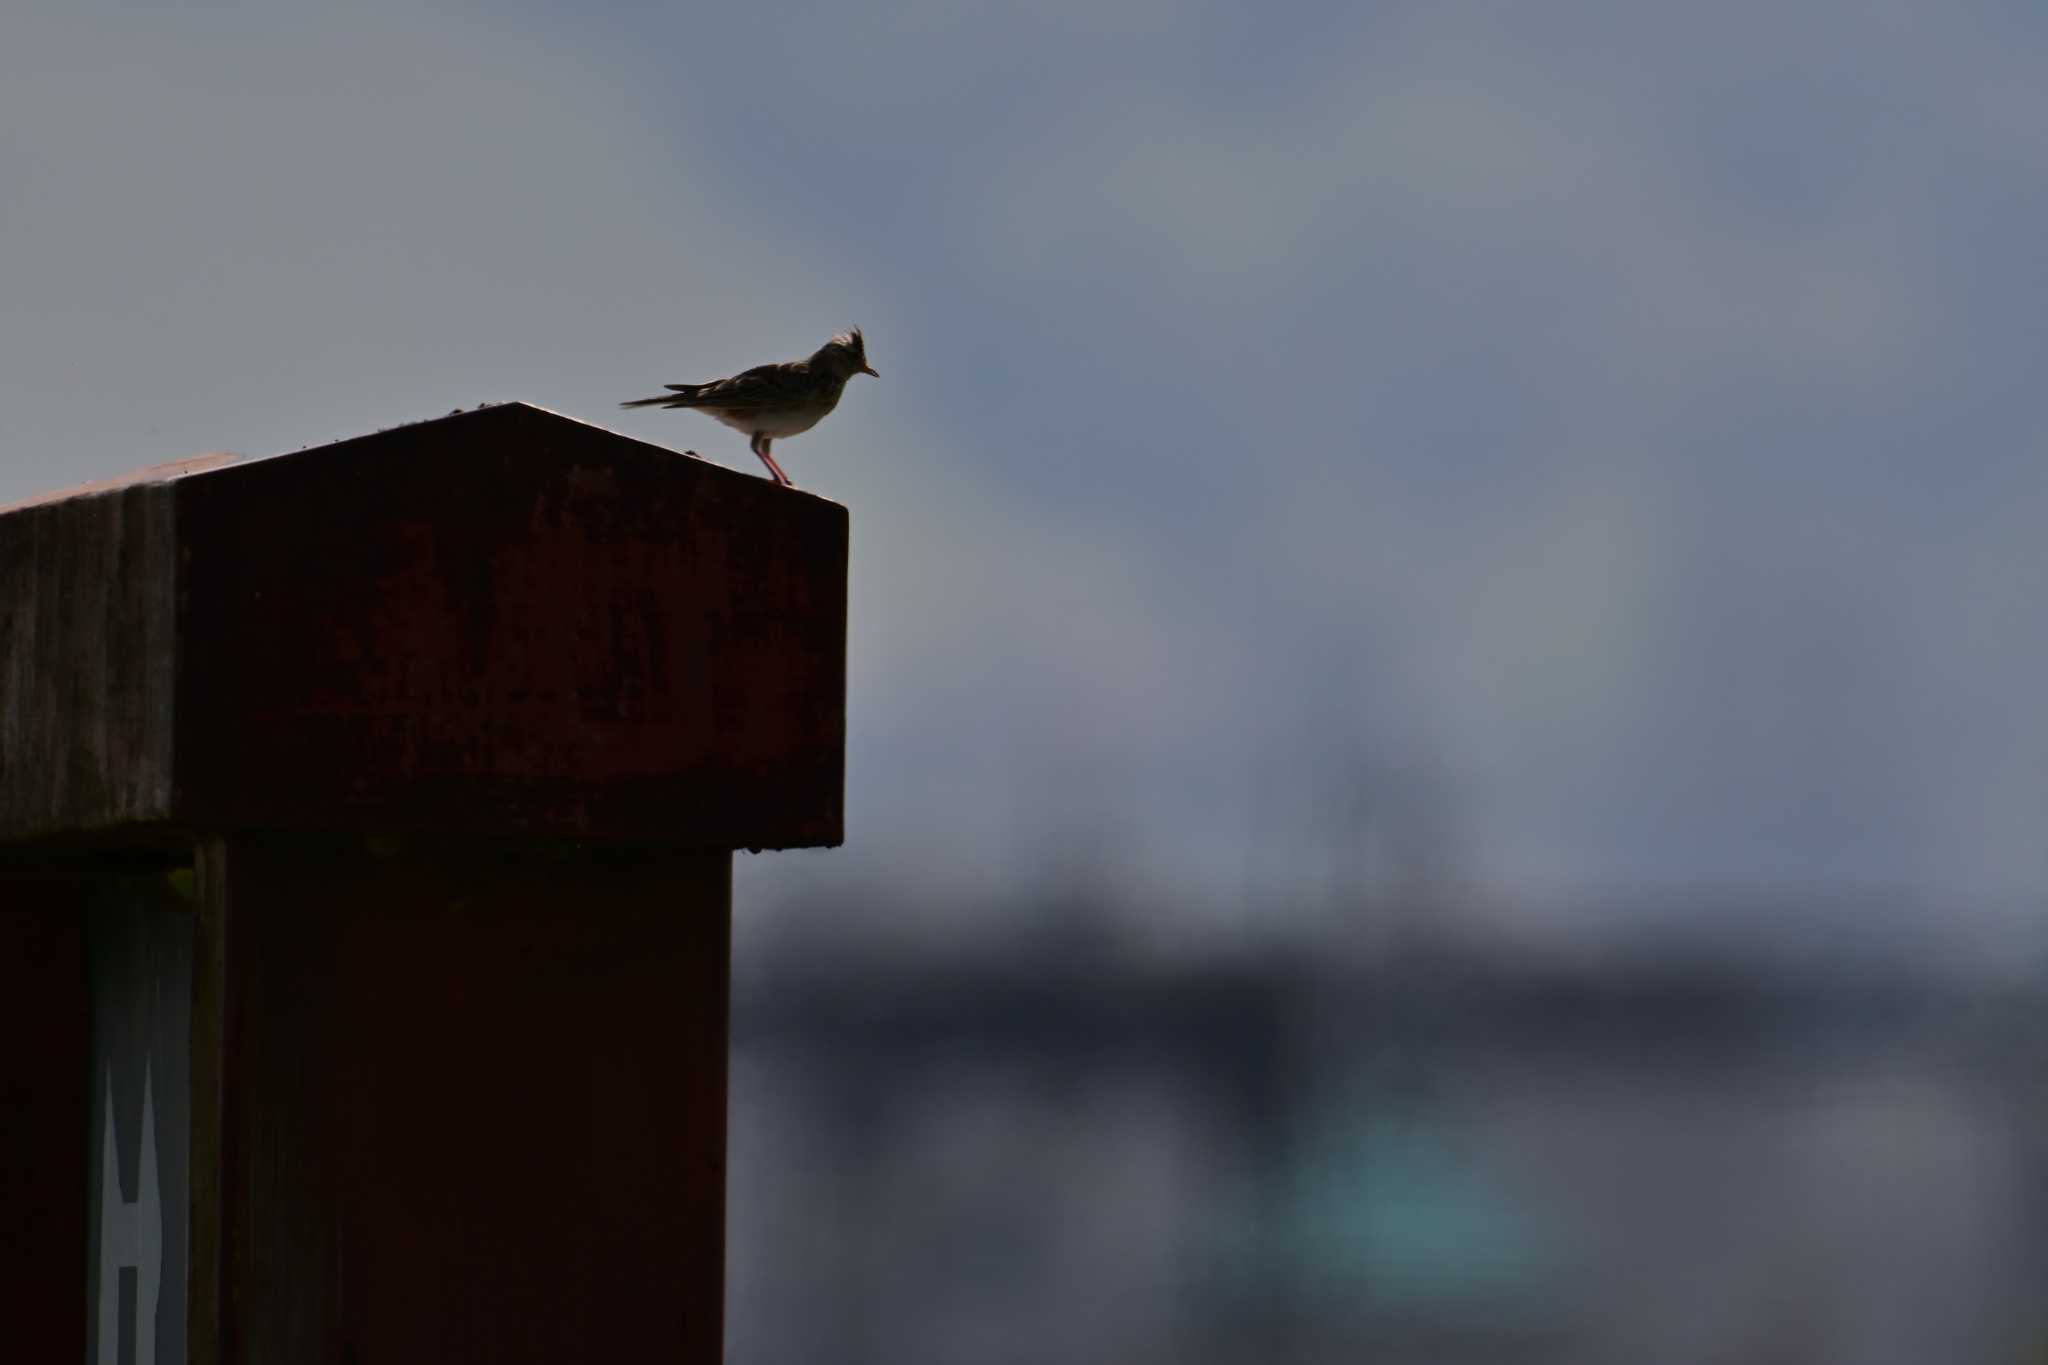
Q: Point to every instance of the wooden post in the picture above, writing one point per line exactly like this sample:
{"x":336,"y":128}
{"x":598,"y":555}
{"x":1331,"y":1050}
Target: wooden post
{"x":366,"y":819}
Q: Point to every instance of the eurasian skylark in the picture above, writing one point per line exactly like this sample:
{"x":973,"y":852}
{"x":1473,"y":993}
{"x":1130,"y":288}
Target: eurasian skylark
{"x":770,"y":402}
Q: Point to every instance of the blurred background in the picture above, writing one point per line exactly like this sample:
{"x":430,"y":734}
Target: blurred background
{"x":1450,"y":612}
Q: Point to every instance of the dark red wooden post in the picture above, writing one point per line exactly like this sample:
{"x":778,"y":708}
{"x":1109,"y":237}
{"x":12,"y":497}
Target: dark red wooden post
{"x":366,"y":819}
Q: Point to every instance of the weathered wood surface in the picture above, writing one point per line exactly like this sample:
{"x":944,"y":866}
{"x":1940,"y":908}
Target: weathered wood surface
{"x":87,"y":652}
{"x":500,"y":621}
{"x":444,"y":1095}
{"x":445,"y":1117}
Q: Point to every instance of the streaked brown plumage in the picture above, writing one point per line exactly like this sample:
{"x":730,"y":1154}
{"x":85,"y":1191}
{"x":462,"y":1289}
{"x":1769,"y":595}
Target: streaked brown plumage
{"x":770,"y":402}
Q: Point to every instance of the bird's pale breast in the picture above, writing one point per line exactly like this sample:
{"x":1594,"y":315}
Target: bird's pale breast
{"x":774,"y":422}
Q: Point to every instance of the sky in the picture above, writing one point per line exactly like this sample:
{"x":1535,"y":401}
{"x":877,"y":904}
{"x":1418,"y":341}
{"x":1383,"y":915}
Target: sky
{"x":1607,"y":432}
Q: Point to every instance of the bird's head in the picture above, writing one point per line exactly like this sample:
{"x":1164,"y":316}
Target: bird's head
{"x":845,"y":355}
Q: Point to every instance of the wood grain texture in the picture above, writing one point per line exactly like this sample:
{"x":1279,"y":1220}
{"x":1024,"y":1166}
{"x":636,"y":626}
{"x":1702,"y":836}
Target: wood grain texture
{"x":87,"y":661}
{"x":457,"y":1090}
{"x":501,"y":621}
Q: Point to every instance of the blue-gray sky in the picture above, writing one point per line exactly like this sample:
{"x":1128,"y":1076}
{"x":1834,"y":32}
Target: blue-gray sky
{"x":1626,"y":414}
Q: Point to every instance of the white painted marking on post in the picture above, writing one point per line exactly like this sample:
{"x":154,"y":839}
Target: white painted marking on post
{"x":131,"y":1234}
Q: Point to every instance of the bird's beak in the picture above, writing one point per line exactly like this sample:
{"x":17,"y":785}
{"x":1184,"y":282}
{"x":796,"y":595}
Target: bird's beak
{"x":869,"y":369}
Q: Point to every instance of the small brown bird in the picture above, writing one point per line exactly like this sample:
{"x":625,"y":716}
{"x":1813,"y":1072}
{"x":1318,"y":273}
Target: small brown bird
{"x":770,"y":402}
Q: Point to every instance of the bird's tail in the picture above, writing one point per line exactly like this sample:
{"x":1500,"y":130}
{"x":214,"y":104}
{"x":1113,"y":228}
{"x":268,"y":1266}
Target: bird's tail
{"x":679,"y":396}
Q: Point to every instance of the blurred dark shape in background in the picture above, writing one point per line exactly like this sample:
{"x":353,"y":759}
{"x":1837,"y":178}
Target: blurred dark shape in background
{"x":1382,"y":1134}
{"x":1046,"y":1152}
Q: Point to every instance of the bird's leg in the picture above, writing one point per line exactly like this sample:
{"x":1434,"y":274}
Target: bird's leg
{"x":761,"y":444}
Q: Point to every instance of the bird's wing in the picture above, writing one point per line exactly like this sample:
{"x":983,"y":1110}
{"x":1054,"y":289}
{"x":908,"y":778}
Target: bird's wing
{"x":764,"y":386}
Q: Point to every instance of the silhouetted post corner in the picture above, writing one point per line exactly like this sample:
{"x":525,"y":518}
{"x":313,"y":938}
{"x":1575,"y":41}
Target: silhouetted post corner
{"x":366,"y":820}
